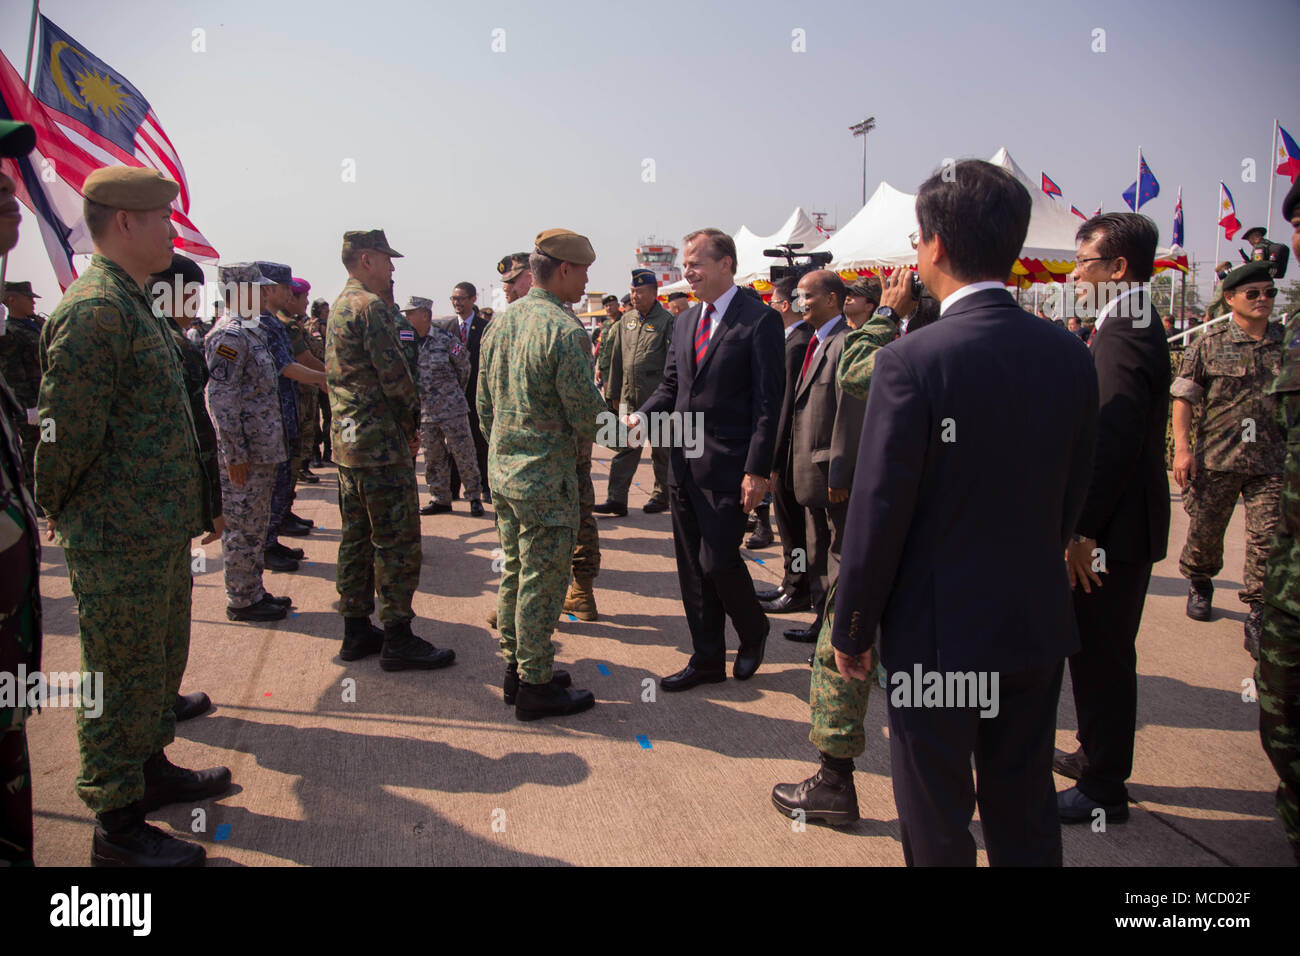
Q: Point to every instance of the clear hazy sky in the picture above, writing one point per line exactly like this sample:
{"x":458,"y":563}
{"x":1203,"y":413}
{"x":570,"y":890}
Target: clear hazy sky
{"x":463,"y":154}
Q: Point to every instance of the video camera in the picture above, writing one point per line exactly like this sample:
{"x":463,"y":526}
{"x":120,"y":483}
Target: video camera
{"x":808,"y":261}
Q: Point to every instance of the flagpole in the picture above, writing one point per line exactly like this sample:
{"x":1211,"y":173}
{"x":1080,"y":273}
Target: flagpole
{"x":1137,"y":185}
{"x":27,"y":75}
{"x":1218,"y":232}
{"x":1272,"y":175}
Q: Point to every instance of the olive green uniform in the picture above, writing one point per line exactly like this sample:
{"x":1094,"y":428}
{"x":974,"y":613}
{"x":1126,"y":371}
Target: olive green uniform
{"x":638,"y":353}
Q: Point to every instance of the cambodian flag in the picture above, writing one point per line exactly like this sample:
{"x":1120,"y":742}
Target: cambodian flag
{"x":1227,"y":212}
{"x":1288,"y":156}
{"x":1050,"y":187}
{"x":1146,"y":189}
{"x":1178,"y":219}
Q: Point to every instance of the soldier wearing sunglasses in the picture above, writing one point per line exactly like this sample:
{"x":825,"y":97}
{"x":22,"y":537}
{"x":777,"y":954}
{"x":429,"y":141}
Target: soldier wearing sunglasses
{"x":1239,"y":445}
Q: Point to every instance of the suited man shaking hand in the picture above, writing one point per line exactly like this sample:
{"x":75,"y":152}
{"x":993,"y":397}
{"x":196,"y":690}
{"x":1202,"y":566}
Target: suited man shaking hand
{"x":725,"y":372}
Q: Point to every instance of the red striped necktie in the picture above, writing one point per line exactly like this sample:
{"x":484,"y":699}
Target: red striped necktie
{"x":808,"y":356}
{"x":702,"y":336}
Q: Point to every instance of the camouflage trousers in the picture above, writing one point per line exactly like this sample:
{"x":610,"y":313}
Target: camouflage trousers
{"x":133,"y":613}
{"x":443,"y":440}
{"x":18,"y":646}
{"x":1277,"y":678}
{"x":379,"y":550}
{"x":243,"y":542}
{"x":281,"y":500}
{"x":29,"y":436}
{"x":623,"y":468}
{"x":15,"y":789}
{"x":1209,"y":503}
{"x":838,"y":704}
{"x":537,"y":540}
{"x":586,"y":553}
{"x":308,"y":400}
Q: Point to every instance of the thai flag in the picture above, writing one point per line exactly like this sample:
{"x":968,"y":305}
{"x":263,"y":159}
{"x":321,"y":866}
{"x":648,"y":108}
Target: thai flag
{"x":1050,"y":187}
{"x":1288,"y":156}
{"x":1178,"y":219}
{"x":1227,"y":212}
{"x":1075,"y":210}
{"x":1149,"y":187}
{"x":101,"y":112}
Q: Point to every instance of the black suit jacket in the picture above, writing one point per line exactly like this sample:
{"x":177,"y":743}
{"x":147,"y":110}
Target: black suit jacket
{"x":737,"y":390}
{"x":1127,"y":508}
{"x":975,"y":458}
{"x":795,"y":347}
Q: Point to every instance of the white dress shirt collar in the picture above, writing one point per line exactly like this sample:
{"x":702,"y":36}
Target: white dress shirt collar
{"x":720,"y":305}
{"x":1112,"y":305}
{"x":954,"y":297}
{"x":825,"y":331}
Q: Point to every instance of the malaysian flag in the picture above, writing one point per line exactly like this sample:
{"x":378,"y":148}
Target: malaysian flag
{"x":104,"y":115}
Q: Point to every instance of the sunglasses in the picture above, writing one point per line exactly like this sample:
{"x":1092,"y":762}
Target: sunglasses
{"x":1253,"y":294}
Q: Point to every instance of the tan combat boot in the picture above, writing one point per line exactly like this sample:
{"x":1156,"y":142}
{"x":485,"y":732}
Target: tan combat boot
{"x":580,"y":601}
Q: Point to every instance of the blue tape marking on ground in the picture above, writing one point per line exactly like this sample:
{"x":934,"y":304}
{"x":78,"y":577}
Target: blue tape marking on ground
{"x":644,"y":741}
{"x":293,"y":613}
{"x":758,"y":560}
{"x":603,"y":669}
{"x":572,"y":617}
{"x":223,"y":832}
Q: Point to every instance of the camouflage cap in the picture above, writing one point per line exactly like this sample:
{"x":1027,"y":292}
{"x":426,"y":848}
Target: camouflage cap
{"x":417,"y":302}
{"x":511,"y":267}
{"x":16,"y":139}
{"x":866,"y":288}
{"x":565,"y":245}
{"x":23,"y":288}
{"x":1250,"y":272}
{"x":241,"y":272}
{"x":129,"y":187}
{"x":357,"y":240}
{"x":277,"y":272}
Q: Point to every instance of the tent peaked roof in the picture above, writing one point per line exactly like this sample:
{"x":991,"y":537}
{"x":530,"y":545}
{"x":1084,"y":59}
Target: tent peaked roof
{"x":1051,"y":224}
{"x":878,"y":234}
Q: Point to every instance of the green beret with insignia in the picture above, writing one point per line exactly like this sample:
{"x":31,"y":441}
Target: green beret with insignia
{"x":511,"y":267}
{"x":361,"y":240}
{"x":608,"y":299}
{"x":1250,"y":272}
{"x":129,"y":187}
{"x":565,"y":245}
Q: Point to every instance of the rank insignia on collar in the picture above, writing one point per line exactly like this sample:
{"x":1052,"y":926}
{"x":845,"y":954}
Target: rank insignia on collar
{"x":649,"y":328}
{"x":227,"y":353}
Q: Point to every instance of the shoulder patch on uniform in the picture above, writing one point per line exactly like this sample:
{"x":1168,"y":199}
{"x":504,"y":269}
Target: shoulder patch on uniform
{"x":227,"y":353}
{"x":106,"y":318}
{"x":406,"y":335}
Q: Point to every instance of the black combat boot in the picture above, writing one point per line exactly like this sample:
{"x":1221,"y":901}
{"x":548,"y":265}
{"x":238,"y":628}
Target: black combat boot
{"x":360,"y":639}
{"x":511,"y":686}
{"x":535,"y":701}
{"x":124,"y":839}
{"x":403,"y":651}
{"x":276,"y":561}
{"x":1254,"y":629}
{"x":187,"y":706}
{"x":828,"y":795}
{"x":1200,"y":600}
{"x":762,"y":536}
{"x":165,"y":783}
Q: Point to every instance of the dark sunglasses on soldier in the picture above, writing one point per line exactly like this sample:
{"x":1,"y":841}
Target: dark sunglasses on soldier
{"x":1253,"y":294}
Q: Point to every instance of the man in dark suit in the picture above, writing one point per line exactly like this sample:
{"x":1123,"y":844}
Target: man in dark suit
{"x":824,"y":427}
{"x":1124,"y":527}
{"x":468,"y":325}
{"x":792,"y":593}
{"x":724,"y":375}
{"x":975,"y":458}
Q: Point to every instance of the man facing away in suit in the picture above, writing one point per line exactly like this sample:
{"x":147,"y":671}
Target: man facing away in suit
{"x":468,"y":325}
{"x":1124,"y":527}
{"x":723,"y":373}
{"x":975,"y":458}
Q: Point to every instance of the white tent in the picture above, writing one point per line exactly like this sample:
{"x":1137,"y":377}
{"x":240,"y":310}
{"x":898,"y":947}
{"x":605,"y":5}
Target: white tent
{"x":878,"y":234}
{"x":751,"y":264}
{"x":1051,"y":224}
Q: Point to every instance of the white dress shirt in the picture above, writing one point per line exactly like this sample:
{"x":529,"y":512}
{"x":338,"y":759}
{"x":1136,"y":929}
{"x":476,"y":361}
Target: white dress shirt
{"x":1112,"y":305}
{"x":720,"y":305}
{"x":955,"y":297}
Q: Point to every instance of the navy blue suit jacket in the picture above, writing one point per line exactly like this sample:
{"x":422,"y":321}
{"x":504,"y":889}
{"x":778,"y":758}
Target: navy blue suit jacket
{"x":975,"y":459}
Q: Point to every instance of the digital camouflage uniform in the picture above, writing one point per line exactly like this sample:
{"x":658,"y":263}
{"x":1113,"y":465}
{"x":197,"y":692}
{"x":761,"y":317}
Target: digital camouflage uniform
{"x":1278,"y":671}
{"x":277,"y":340}
{"x":442,"y":372}
{"x":1239,"y":448}
{"x":839,"y":705}
{"x":603,"y":354}
{"x":638,"y":350}
{"x":321,"y":406}
{"x":122,"y":482}
{"x":299,"y":343}
{"x":538,"y":405}
{"x":244,"y":401}
{"x":20,"y":632}
{"x":21,"y":367}
{"x":195,"y":367}
{"x":374,"y":418}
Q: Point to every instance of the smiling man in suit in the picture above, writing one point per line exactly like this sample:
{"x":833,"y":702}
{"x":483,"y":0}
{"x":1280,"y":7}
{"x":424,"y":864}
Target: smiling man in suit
{"x":724,"y":373}
{"x":975,"y":458}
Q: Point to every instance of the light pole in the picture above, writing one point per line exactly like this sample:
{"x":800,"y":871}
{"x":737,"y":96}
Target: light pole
{"x":862,"y":129}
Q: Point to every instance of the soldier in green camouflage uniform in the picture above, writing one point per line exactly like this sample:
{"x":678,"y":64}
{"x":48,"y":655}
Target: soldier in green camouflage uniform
{"x":1239,"y":446}
{"x":1278,"y":674}
{"x":375,"y":422}
{"x":120,"y":479}
{"x":294,"y":319}
{"x":604,"y":350}
{"x":20,"y":364}
{"x":538,"y":406}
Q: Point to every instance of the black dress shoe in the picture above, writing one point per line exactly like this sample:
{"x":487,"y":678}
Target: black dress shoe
{"x":284,"y":551}
{"x":749,"y":658}
{"x":787,"y":604}
{"x":511,"y":684}
{"x":1200,"y":600}
{"x":535,"y":701}
{"x":186,"y":706}
{"x":825,"y":796}
{"x":476,"y":509}
{"x":760,"y":539}
{"x":1074,"y":806}
{"x":804,"y":635}
{"x":301,"y":520}
{"x":122,"y":838}
{"x":403,"y":651}
{"x":769,"y":594}
{"x":690,"y":677}
{"x":655,"y":506}
{"x":1070,"y":765}
{"x":165,"y":783}
{"x":294,"y":529}
{"x":278,"y":562}
{"x":1254,"y":630}
{"x":610,"y":508}
{"x":263,"y":610}
{"x":433,"y":508}
{"x":360,"y":639}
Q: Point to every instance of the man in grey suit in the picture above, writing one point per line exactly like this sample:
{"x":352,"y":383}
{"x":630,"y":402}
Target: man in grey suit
{"x":825,"y":425}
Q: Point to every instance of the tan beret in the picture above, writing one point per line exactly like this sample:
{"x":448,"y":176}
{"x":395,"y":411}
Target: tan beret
{"x":129,"y":187}
{"x":565,"y":245}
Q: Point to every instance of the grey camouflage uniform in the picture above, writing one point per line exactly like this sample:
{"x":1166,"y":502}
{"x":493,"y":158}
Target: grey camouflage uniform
{"x":442,"y":371}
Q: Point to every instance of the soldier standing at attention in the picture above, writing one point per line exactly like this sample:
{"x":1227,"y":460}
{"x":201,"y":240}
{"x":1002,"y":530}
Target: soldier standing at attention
{"x":294,"y":318}
{"x":376,"y":431}
{"x":1239,"y":444}
{"x":123,"y":490}
{"x":638,"y":351}
{"x":316,"y":342}
{"x":538,"y":405}
{"x":20,"y":363}
{"x":604,"y":340}
{"x":441,"y":374}
{"x":244,"y":400}
{"x":1278,"y":673}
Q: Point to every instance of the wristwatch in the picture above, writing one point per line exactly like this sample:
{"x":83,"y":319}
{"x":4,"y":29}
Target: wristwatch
{"x":886,"y":312}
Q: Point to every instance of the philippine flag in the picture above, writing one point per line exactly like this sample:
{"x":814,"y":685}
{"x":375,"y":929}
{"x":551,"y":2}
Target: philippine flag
{"x":1227,"y":212}
{"x":1288,"y":156}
